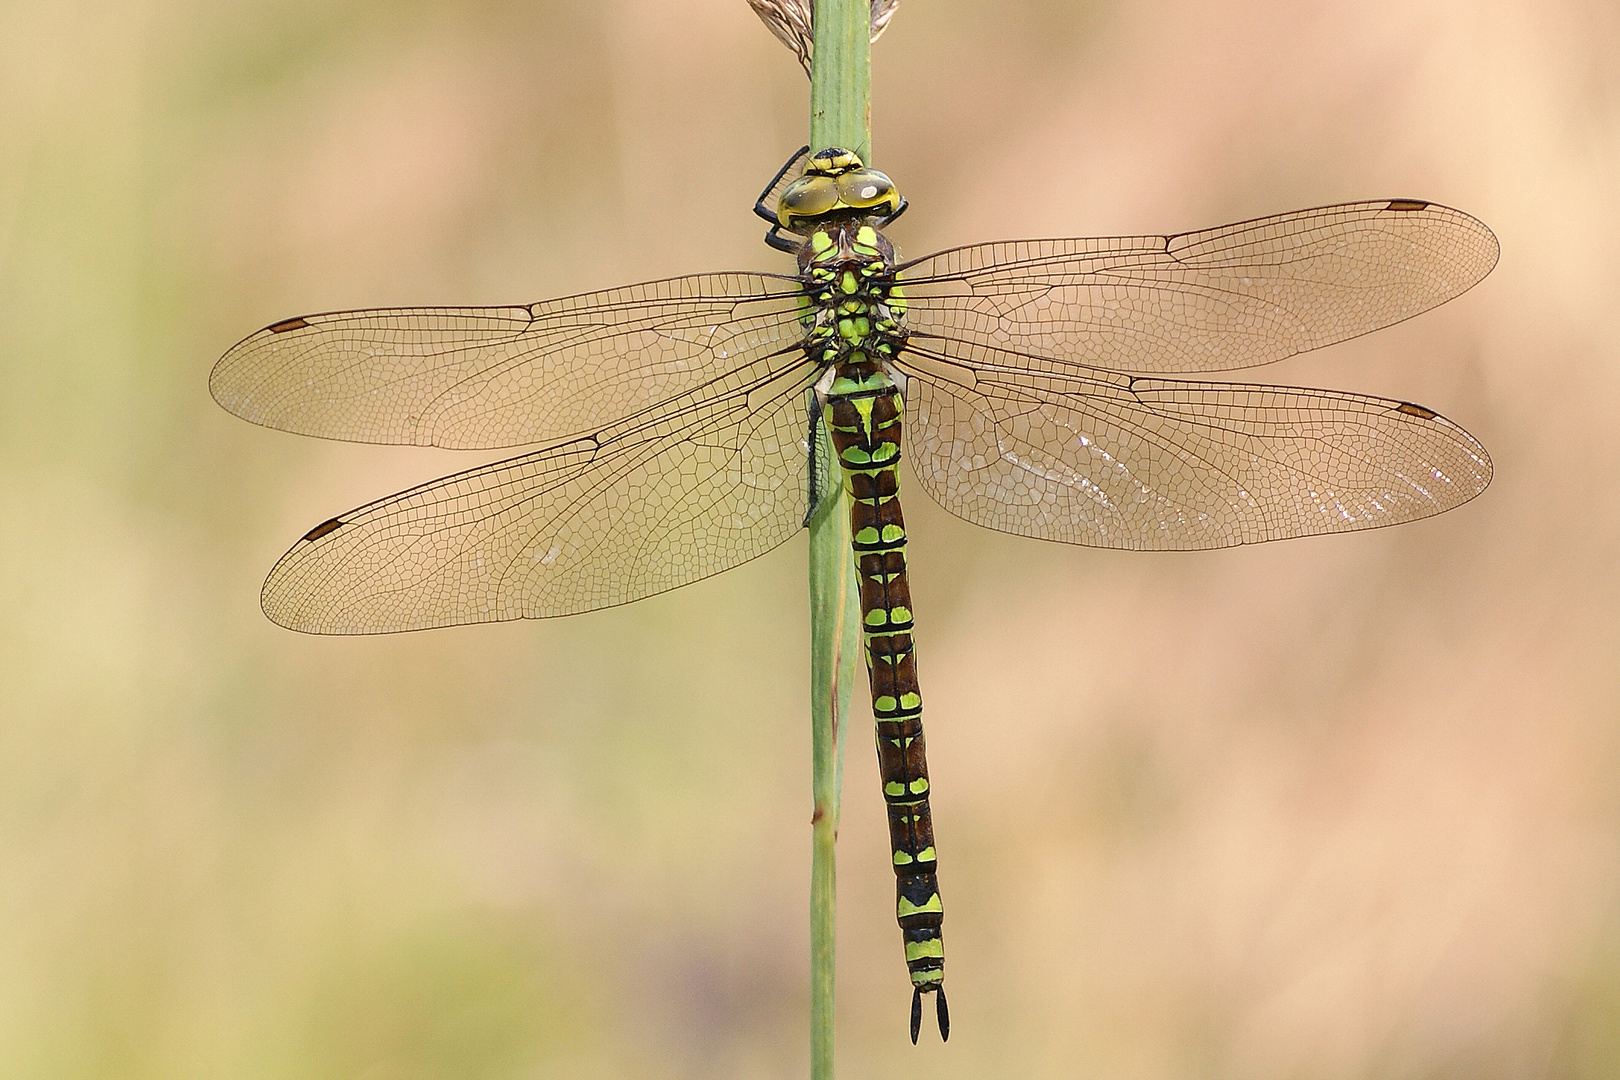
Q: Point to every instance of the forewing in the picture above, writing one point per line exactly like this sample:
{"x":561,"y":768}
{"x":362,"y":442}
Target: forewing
{"x":701,"y":486}
{"x":1224,"y":298}
{"x":1110,"y":460}
{"x":478,"y":378}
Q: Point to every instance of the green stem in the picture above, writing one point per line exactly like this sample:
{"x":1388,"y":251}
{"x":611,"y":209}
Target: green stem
{"x":841,"y":78}
{"x":840,"y":108}
{"x":834,"y":630}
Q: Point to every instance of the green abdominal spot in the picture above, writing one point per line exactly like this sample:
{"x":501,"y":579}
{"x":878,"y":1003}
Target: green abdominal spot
{"x":922,"y":950}
{"x":926,"y":855}
{"x":930,"y":906}
{"x":895,"y":616}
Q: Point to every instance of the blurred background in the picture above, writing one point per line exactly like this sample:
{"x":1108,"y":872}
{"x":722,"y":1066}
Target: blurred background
{"x":1341,"y":807}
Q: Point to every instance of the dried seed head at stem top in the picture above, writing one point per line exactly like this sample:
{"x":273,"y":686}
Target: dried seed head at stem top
{"x":792,"y":22}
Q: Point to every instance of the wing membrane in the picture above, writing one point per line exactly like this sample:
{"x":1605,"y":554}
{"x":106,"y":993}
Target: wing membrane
{"x":1109,"y":460}
{"x":686,"y":491}
{"x":480,"y":378}
{"x":1229,"y":297}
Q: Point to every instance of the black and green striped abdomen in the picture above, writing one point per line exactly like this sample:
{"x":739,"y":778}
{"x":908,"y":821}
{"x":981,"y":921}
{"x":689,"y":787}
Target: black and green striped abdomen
{"x":864,"y":410}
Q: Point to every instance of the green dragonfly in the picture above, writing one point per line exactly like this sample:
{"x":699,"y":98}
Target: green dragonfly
{"x":678,"y":425}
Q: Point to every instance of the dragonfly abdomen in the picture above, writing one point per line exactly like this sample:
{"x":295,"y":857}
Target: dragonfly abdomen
{"x":864,"y":410}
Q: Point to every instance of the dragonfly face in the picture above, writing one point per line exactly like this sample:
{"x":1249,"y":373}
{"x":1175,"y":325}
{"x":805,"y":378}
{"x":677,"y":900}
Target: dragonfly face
{"x":1053,"y":389}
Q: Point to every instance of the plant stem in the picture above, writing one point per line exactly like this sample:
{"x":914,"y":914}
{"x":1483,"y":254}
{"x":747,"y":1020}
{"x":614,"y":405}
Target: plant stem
{"x":841,"y":78}
{"x":834,"y":630}
{"x":840,"y":108}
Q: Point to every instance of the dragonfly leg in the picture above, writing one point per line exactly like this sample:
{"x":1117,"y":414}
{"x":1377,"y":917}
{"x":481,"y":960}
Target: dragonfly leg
{"x":884,"y":223}
{"x":764,"y":209}
{"x":781,"y":243}
{"x":761,"y":206}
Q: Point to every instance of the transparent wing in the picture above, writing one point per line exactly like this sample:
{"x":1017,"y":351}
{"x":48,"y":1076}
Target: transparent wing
{"x":479,"y":378}
{"x":1230,"y":297}
{"x":686,"y":490}
{"x":1092,"y":457}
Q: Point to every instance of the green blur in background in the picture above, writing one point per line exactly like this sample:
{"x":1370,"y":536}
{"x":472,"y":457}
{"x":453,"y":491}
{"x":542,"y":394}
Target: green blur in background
{"x":1342,"y":807}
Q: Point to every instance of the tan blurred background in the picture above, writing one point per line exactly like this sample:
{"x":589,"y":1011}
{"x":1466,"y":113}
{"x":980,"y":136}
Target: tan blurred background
{"x":1344,"y":807}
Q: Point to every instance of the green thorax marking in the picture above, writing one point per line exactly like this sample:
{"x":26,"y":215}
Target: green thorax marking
{"x":853,"y":304}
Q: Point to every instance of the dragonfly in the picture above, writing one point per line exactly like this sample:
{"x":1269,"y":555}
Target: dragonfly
{"x":1044,"y":388}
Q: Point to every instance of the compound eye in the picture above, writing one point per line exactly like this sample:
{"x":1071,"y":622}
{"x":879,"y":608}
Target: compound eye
{"x":807,"y":197}
{"x":868,"y":189}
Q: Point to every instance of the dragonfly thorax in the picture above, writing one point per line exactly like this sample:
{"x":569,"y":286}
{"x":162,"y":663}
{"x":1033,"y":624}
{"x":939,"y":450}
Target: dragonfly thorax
{"x":852,"y":300}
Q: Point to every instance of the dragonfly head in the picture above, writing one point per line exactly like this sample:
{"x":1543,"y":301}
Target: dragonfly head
{"x":836,"y":182}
